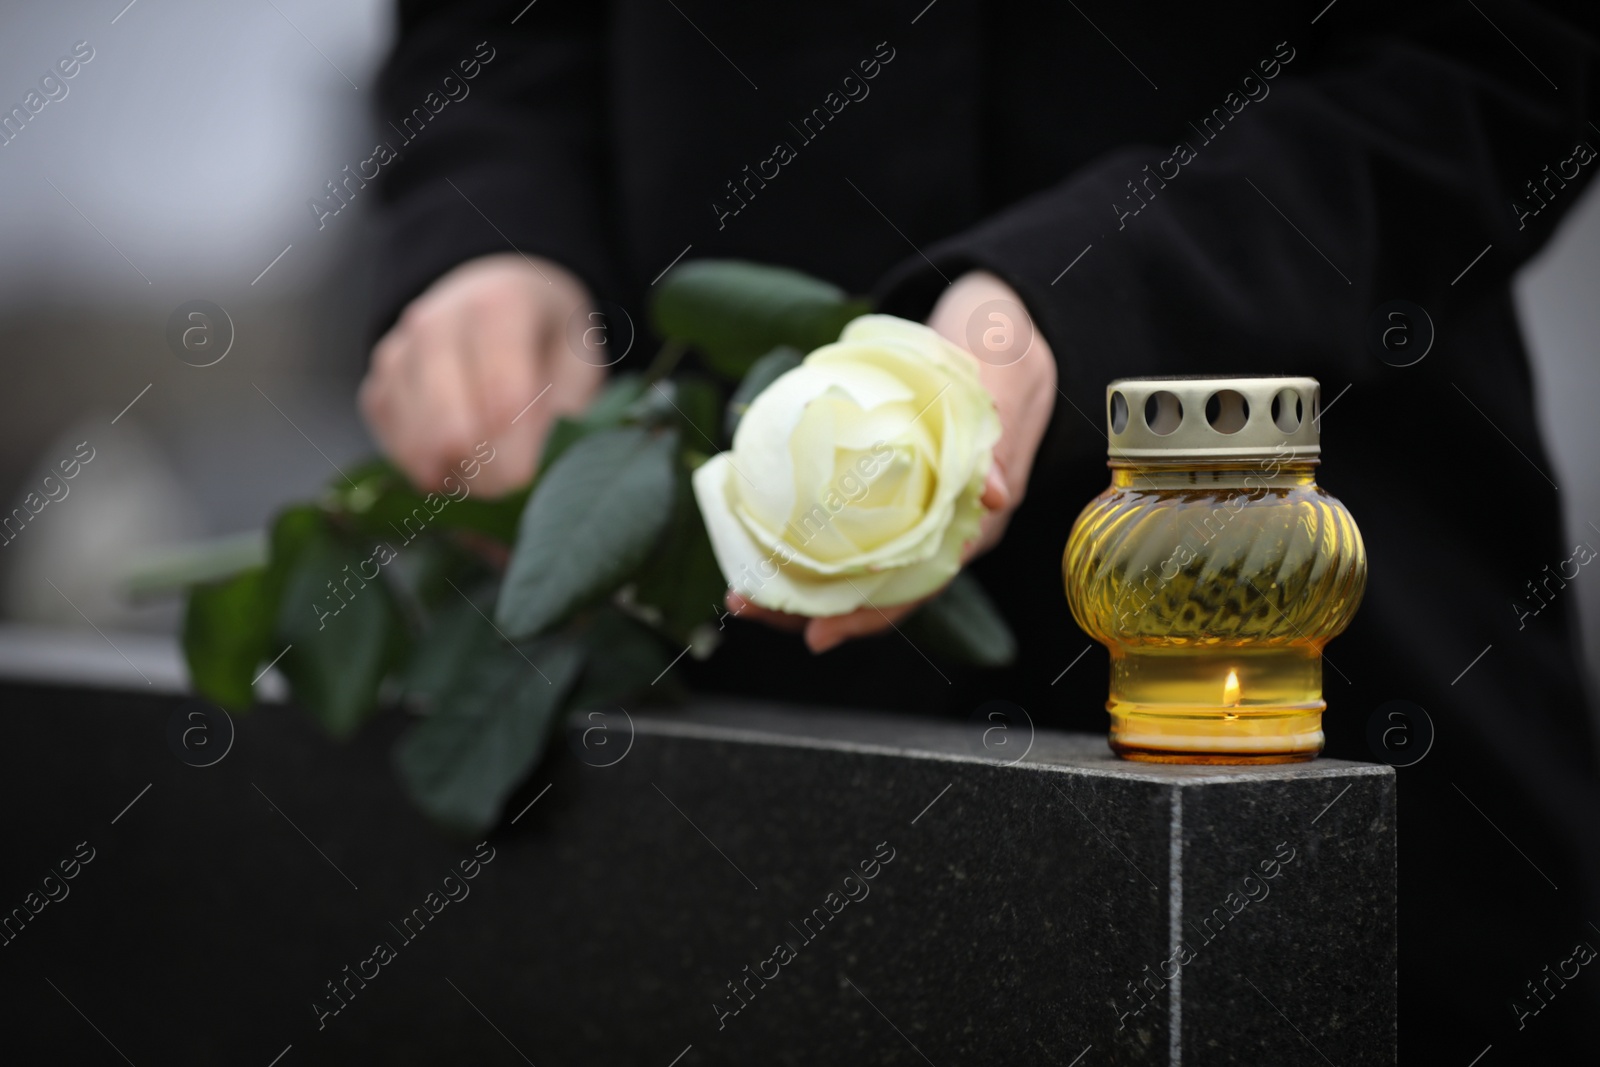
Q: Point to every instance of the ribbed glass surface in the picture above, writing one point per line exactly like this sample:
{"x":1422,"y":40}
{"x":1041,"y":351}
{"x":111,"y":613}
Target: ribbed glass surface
{"x":1215,"y":590}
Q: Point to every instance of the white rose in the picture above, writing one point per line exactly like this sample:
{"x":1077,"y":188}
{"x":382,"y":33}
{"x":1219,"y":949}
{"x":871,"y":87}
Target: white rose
{"x":855,"y":477}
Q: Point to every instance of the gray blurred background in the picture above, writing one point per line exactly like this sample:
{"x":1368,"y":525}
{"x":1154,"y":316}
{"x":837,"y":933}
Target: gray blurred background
{"x":178,"y":167}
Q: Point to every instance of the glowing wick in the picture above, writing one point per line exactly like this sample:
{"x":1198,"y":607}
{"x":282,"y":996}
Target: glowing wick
{"x":1230,"y":690}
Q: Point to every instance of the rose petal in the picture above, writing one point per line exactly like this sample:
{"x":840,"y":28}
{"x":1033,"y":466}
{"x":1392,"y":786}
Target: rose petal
{"x":860,"y":472}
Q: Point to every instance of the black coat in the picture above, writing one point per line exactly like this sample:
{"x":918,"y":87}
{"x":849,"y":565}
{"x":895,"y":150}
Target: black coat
{"x":1234,"y":190}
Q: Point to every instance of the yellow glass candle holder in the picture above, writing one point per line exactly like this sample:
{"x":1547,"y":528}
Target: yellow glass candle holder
{"x":1214,"y":569}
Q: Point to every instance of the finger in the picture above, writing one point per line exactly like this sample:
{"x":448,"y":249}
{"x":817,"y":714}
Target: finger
{"x":387,"y":398}
{"x":575,"y":368}
{"x":832,"y":631}
{"x":991,"y":527}
{"x":436,"y":421}
{"x":375,"y":397}
{"x":1024,"y":393}
{"x":746,"y":609}
{"x":996,"y":494}
{"x":503,"y":384}
{"x":500,"y":345}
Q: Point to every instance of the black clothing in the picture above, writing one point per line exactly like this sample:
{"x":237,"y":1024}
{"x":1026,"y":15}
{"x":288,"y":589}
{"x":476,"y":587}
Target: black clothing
{"x":1334,"y":162}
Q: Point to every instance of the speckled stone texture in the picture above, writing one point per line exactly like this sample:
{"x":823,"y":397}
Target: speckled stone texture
{"x":934,"y":904}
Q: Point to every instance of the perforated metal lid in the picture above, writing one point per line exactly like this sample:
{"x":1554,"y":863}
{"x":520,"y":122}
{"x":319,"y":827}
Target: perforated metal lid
{"x":1205,"y":417}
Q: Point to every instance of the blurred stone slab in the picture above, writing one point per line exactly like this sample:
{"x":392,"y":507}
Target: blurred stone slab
{"x":725,"y":885}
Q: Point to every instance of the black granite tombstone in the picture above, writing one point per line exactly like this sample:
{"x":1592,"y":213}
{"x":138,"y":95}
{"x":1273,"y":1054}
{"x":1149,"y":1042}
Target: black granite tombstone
{"x":724,"y":885}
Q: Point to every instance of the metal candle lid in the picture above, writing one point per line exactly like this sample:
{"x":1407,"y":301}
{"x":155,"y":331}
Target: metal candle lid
{"x":1213,"y":418}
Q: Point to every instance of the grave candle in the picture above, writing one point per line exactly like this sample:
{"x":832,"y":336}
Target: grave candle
{"x":1214,"y":569}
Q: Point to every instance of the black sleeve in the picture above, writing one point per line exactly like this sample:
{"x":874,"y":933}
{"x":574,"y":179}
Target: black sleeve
{"x":522,"y":140}
{"x":1374,"y":170}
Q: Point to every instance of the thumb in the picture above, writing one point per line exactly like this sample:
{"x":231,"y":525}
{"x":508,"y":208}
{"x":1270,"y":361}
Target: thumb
{"x":996,"y":495}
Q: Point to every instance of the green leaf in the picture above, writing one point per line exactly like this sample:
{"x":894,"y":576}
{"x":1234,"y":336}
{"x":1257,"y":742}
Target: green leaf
{"x":564,"y":433}
{"x":453,"y":632}
{"x":341,"y":627}
{"x":623,"y":659}
{"x":460,"y":763}
{"x":614,"y":406}
{"x":698,"y":405}
{"x":431,"y":570}
{"x":766,"y":370}
{"x":593,"y":519}
{"x":382,"y":503}
{"x":733,"y":311}
{"x":689,"y":403}
{"x":227,"y":633}
{"x":963,"y":624}
{"x":681,"y":581}
{"x":496,"y":518}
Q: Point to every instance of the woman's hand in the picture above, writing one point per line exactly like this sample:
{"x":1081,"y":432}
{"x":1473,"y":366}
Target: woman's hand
{"x":983,"y":315}
{"x":487,"y":353}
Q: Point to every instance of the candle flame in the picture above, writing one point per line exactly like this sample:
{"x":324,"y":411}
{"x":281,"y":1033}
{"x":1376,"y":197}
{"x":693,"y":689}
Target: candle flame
{"x":1230,"y":690}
